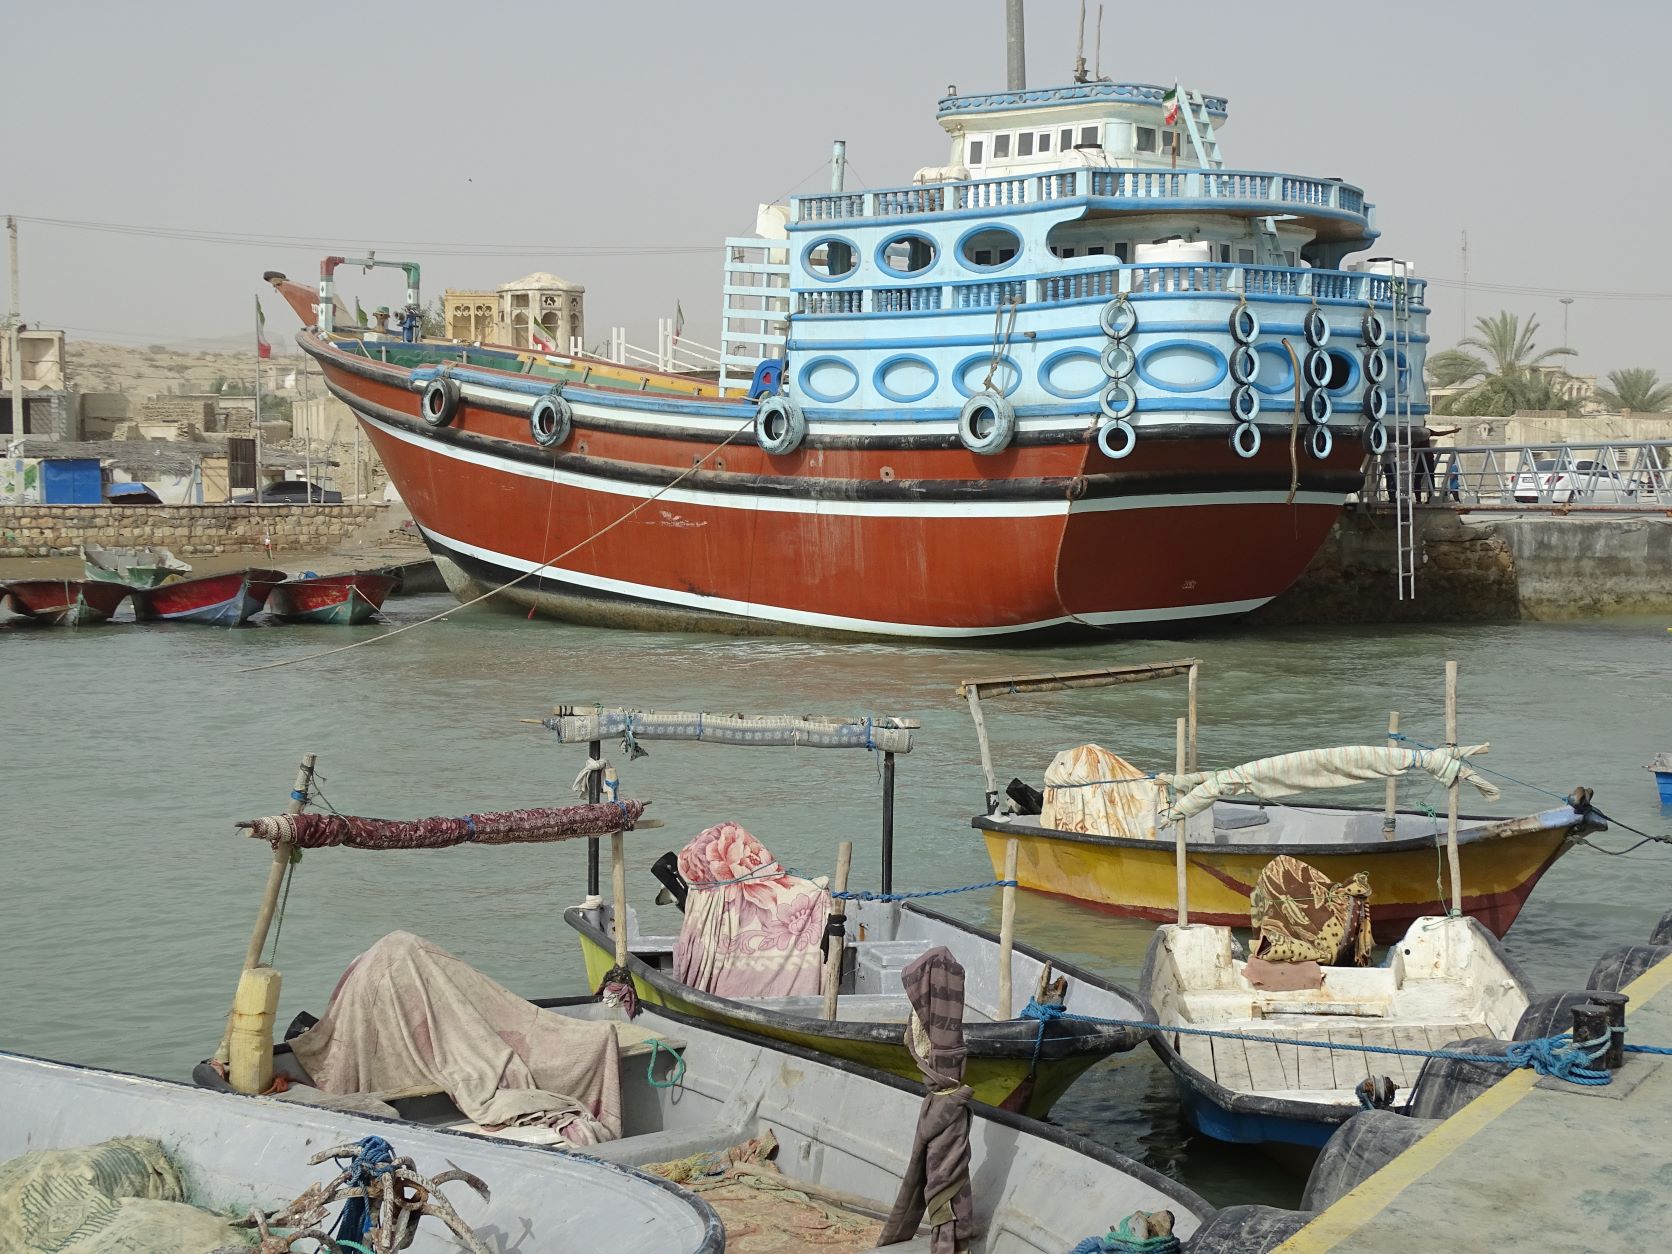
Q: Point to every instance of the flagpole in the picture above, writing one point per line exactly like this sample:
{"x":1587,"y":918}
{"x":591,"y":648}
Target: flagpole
{"x":258,"y":401}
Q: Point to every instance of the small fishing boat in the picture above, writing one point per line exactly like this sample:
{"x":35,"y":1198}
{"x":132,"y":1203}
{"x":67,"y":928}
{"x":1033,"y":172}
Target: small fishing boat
{"x":66,"y":602}
{"x":1134,"y":871}
{"x":1446,"y":980}
{"x":351,"y":598}
{"x":237,"y":1152}
{"x":138,"y":568}
{"x":224,"y":600}
{"x":1661,"y":767}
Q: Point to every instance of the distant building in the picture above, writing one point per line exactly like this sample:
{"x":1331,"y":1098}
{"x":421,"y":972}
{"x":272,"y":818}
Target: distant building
{"x":49,"y":408}
{"x":509,"y":314}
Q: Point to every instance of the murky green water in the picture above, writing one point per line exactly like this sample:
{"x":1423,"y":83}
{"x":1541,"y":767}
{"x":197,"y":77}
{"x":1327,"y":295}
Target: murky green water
{"x":126,"y":894}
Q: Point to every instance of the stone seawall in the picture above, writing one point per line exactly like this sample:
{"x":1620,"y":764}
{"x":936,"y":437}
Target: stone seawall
{"x":187,"y":530}
{"x":1485,"y":568}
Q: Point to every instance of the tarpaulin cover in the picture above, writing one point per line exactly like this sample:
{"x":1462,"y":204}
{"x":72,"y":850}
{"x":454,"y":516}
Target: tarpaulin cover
{"x":1085,"y":792}
{"x":749,"y":930}
{"x":1291,"y":773}
{"x":407,"y":1013}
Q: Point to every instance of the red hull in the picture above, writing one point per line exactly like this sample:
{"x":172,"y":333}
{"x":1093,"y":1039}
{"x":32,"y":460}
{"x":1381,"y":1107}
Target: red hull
{"x":875,"y":538}
{"x":74,"y":601}
{"x":331,"y":598}
{"x":225,"y":600}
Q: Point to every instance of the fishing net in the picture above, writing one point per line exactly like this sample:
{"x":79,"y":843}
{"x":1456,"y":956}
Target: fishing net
{"x":504,"y":827}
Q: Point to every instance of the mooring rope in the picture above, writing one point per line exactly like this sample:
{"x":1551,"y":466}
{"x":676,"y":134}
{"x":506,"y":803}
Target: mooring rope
{"x":528,"y":574}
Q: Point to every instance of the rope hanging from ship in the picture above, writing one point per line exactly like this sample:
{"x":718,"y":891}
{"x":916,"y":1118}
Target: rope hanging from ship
{"x":683,"y":475}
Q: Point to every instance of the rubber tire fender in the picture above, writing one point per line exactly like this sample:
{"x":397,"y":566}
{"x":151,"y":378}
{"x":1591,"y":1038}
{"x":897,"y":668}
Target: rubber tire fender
{"x":439,"y":403}
{"x":1373,"y":329}
{"x":1245,"y":403}
{"x":1124,"y":430}
{"x":1246,"y":439}
{"x":1118,"y":318}
{"x":1315,"y":327}
{"x":1375,"y":438}
{"x":1375,"y":404}
{"x":550,"y":420}
{"x":780,"y":426}
{"x":1321,"y":443}
{"x":1318,"y":406}
{"x":1244,"y":364}
{"x":1245,"y":325}
{"x":987,"y":423}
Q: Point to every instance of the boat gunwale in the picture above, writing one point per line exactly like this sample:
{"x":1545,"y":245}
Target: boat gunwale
{"x":1242,"y":1103}
{"x":713,"y":1241}
{"x":991,"y":1039}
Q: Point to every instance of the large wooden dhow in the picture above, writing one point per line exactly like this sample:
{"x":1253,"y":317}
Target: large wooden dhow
{"x":1082,"y":336}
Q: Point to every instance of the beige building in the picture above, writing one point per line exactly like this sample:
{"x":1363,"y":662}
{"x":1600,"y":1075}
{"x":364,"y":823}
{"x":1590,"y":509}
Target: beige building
{"x":48,"y":410}
{"x":508,"y":314}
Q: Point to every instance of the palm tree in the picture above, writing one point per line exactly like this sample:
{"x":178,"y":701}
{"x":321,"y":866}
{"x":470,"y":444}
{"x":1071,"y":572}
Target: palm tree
{"x":1512,"y":372}
{"x":1453,"y":368}
{"x":1637,"y":389}
{"x":1509,"y":344}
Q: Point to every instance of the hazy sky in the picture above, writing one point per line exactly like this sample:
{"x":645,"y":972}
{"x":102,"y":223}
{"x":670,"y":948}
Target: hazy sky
{"x":486,"y":139}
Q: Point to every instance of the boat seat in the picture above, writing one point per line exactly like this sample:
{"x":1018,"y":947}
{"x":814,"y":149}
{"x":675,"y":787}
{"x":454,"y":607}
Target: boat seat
{"x":1229,"y":818}
{"x":673,"y":1143}
{"x":877,"y":964}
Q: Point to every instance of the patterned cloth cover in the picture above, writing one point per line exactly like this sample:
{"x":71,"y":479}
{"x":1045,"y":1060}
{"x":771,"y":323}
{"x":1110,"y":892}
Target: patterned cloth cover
{"x":1299,"y":916}
{"x":1079,"y":796}
{"x":750,"y":930}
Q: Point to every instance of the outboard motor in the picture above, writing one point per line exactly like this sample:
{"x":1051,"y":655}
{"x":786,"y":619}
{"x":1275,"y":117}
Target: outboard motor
{"x":674,"y":887}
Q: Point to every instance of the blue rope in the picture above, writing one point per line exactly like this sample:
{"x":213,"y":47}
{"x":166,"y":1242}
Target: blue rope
{"x":1559,"y":1056}
{"x":862,"y":895}
{"x":297,"y":794}
{"x":869,"y":743}
{"x":374,"y":1157}
{"x":1647,"y":1049}
{"x":656,"y":1047}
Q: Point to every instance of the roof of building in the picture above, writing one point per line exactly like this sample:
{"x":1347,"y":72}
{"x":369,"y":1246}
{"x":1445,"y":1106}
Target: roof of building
{"x":176,"y":457}
{"x":540,"y":281}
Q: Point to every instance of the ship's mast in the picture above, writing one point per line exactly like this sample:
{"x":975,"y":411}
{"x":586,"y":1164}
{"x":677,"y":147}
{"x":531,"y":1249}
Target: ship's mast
{"x":1015,"y":55}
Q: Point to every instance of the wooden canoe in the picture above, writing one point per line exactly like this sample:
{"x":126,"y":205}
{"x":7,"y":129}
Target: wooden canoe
{"x":235,"y":1152}
{"x":872,"y":1012}
{"x":350,"y":598}
{"x":222,"y":600}
{"x":1446,"y":980}
{"x":844,"y":1134}
{"x":1502,"y":860}
{"x":66,"y":602}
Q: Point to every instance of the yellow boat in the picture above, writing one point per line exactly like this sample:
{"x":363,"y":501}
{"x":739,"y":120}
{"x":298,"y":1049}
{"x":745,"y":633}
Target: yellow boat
{"x":1013,"y":1063}
{"x":1501,"y":859}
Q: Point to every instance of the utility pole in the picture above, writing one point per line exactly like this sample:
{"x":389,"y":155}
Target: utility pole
{"x":1566,"y":301}
{"x":1465,"y":302}
{"x":14,"y":321}
{"x":1015,"y":54}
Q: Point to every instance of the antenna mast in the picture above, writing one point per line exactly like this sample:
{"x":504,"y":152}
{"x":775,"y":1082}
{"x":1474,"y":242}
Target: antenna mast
{"x":1015,"y":55}
{"x":1080,"y":47}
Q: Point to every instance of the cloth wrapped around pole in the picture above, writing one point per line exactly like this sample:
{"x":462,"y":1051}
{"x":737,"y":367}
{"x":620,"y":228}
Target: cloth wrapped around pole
{"x":936,"y":1184}
{"x":726,"y":729}
{"x":1291,"y":773}
{"x":503,"y":827}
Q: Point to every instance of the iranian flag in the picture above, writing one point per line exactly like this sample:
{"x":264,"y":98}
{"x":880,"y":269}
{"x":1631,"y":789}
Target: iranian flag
{"x":541,"y":339}
{"x":1170,"y":106}
{"x":263,"y":349}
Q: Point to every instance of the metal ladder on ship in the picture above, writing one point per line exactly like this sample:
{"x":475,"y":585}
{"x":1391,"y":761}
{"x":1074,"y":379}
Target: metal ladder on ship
{"x":754,"y":308}
{"x":1405,"y":461}
{"x":1199,"y":127}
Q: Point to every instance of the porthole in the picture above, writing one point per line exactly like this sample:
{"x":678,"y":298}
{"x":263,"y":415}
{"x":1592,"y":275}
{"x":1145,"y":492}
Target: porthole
{"x":830,"y":258}
{"x":989,"y":248}
{"x":906,"y":254}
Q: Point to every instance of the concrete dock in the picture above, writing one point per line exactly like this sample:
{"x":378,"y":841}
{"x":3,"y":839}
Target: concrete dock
{"x":1531,"y":1163}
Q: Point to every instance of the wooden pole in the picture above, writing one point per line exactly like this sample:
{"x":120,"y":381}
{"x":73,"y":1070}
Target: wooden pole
{"x":838,"y":910}
{"x":974,"y":698}
{"x":618,"y":885}
{"x":1195,"y":669}
{"x":1179,"y":850}
{"x":594,"y":790}
{"x":275,"y":882}
{"x":1451,"y":793}
{"x":887,"y":822}
{"x":1388,"y":823}
{"x":1007,"y":932}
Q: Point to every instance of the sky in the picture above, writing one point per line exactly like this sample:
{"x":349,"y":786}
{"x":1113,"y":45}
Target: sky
{"x":617,"y":144}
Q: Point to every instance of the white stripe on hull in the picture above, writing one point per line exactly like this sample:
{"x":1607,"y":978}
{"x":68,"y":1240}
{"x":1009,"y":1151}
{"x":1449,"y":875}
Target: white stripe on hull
{"x":832,"y":622}
{"x":848,"y":508}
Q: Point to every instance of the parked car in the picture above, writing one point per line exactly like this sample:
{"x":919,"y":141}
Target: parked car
{"x":1581,"y":483}
{"x":291,"y":492}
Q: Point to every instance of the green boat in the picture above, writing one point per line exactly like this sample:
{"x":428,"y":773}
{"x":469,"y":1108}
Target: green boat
{"x":138,"y":568}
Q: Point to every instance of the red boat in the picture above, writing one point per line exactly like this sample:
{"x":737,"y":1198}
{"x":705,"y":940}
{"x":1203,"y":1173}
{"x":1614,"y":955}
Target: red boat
{"x":66,"y":602}
{"x":225,"y":600}
{"x":351,"y":598}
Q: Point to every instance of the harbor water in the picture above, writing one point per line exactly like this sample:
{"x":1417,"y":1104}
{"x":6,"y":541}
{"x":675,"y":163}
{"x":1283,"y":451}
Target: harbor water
{"x":129,"y":753}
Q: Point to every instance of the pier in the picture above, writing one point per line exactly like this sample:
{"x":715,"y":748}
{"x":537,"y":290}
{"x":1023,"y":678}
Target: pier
{"x":1591,"y":1163}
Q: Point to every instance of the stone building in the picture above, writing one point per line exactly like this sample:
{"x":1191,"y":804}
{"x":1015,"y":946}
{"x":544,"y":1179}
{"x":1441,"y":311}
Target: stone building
{"x":49,"y":408}
{"x":508,"y":315}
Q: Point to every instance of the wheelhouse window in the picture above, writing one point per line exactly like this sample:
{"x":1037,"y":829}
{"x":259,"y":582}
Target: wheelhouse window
{"x":1065,"y":139}
{"x":1145,"y":139}
{"x":1024,"y":144}
{"x":975,"y":146}
{"x":1044,"y":141}
{"x":1088,"y":137}
{"x":1245,"y":256}
{"x":1001,"y":147}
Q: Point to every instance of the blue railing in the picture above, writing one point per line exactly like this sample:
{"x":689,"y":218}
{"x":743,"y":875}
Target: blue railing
{"x":900,"y":299}
{"x":1249,"y":187}
{"x":1086,"y":285}
{"x":987,"y":295}
{"x":847,"y":301}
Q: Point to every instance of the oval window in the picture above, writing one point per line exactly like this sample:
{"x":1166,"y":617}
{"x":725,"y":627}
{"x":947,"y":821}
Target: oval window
{"x":830,"y":258}
{"x":990,"y":247}
{"x":906,"y":254}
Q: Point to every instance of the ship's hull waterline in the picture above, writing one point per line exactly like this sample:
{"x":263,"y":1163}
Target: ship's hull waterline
{"x":877,"y":533}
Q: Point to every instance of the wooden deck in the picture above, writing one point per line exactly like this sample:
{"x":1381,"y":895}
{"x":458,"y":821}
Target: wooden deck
{"x":1303,"y":1071}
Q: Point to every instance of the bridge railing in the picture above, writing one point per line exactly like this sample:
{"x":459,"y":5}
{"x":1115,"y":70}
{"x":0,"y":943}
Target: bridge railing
{"x":1619,"y":475}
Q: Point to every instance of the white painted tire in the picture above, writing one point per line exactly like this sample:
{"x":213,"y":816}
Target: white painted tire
{"x":1116,"y":439}
{"x":440,"y":402}
{"x":987,"y":423}
{"x":1315,"y":327}
{"x":1117,"y":400}
{"x":780,"y":426}
{"x":1318,"y":406}
{"x":1375,"y":439}
{"x":550,"y":419}
{"x":1321,"y":443}
{"x":1373,"y":329}
{"x":1118,"y":318}
{"x":1244,"y":364}
{"x":1118,"y":359}
{"x":1245,"y":325}
{"x":1246,"y":439}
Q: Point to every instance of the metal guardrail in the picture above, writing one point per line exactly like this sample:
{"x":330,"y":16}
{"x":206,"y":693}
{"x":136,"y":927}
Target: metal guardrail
{"x":1620,"y":475}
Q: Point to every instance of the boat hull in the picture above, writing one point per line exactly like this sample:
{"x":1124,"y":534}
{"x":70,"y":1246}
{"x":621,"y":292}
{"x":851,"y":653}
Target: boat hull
{"x":1009,"y":1064}
{"x":887,"y":534}
{"x":1138,"y":878}
{"x":218,"y":600}
{"x":337,"y":599}
{"x":67,"y":602}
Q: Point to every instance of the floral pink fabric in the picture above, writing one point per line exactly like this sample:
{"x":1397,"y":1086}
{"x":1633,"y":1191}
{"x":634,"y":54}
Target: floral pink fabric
{"x":750,"y":930}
